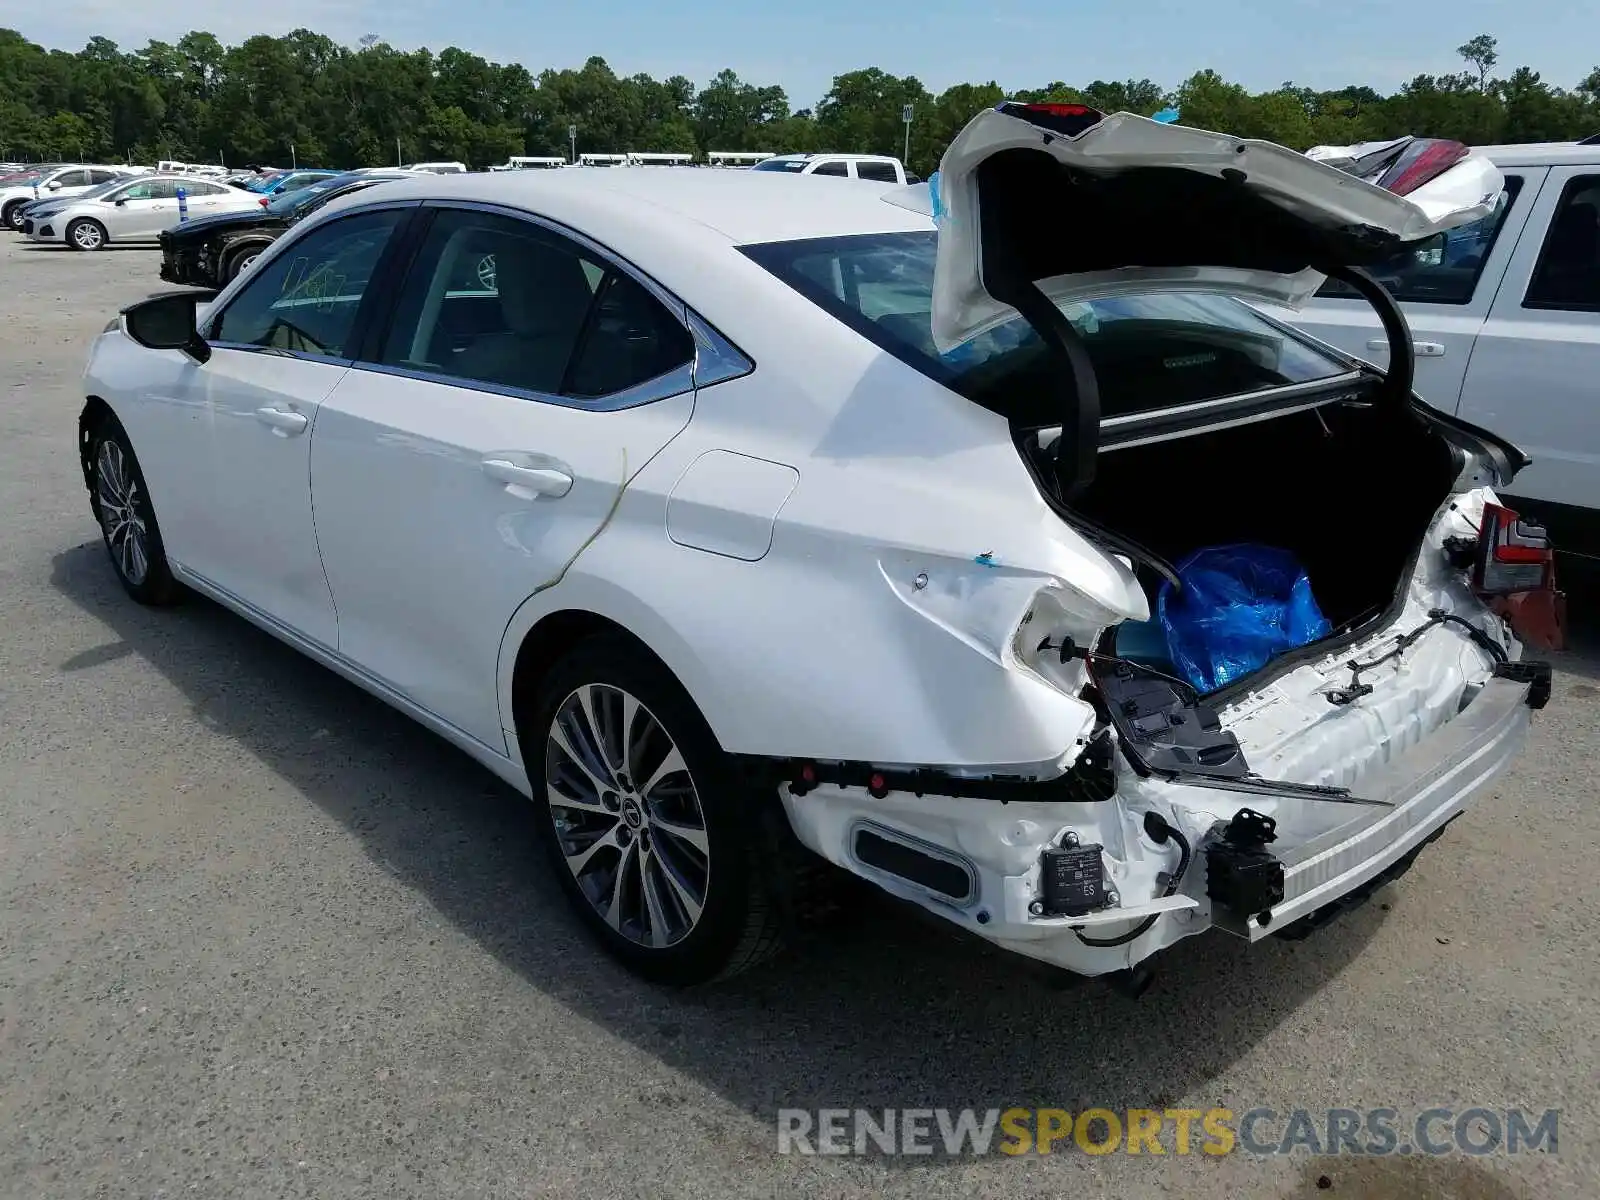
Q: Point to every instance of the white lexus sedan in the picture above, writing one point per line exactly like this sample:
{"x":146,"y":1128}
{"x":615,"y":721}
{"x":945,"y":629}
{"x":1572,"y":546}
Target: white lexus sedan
{"x":741,"y":525}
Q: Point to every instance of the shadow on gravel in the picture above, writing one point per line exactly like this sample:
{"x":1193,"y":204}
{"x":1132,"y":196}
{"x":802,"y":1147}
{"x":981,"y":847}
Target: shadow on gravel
{"x":886,"y":1013}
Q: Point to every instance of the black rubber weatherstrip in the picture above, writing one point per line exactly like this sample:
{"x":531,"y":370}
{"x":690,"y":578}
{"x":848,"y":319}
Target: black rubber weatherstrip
{"x":1079,"y":444}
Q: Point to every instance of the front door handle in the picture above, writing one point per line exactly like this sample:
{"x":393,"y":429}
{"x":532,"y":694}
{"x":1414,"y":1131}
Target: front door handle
{"x":528,"y":481}
{"x":1420,"y":349}
{"x":283,"y":422}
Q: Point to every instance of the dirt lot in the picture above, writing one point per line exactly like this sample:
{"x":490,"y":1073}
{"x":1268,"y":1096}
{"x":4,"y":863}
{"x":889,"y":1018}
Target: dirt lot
{"x":261,"y":936}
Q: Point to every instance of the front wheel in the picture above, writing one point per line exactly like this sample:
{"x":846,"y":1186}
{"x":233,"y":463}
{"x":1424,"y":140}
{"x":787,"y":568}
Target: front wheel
{"x":12,"y":215}
{"x":648,"y":829}
{"x":121,"y":503}
{"x":239,"y":262}
{"x":86,"y":234}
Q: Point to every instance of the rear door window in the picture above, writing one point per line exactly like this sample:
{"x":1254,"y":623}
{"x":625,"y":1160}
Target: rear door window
{"x":1568,"y":272}
{"x":1149,"y":351}
{"x":831,"y":168}
{"x":1446,"y":268}
{"x":513,"y":304}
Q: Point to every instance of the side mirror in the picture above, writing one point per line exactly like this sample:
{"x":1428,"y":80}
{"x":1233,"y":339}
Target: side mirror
{"x":53,"y":186}
{"x":167,"y":322}
{"x":120,"y":201}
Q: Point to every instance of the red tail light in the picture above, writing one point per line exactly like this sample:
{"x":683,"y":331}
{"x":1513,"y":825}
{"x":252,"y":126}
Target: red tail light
{"x":1514,"y":555}
{"x":1516,"y":572}
{"x":1422,"y":160}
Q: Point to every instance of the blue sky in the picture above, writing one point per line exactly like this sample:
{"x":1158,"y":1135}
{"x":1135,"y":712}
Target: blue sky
{"x":1321,"y":43}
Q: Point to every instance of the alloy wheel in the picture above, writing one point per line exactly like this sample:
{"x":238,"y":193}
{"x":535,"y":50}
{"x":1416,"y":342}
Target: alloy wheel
{"x":86,"y":235}
{"x":118,"y":493}
{"x":627,"y":815}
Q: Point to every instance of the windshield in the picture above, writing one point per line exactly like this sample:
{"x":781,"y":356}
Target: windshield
{"x":1152,"y":350}
{"x":793,"y":165}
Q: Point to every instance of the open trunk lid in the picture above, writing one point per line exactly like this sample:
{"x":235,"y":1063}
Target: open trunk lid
{"x":1067,"y":201}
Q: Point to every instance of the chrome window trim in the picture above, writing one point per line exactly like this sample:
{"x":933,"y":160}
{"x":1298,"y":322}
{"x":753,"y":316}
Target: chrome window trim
{"x":675,"y":382}
{"x":280,"y":352}
{"x":716,"y":359}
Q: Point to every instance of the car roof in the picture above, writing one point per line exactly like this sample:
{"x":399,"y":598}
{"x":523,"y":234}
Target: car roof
{"x":619,"y":206}
{"x":1543,"y":154}
{"x":829,"y":154}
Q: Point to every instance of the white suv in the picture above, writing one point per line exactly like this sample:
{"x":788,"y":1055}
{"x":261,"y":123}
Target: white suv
{"x":879,"y":168}
{"x":59,"y":182}
{"x":1505,"y":317}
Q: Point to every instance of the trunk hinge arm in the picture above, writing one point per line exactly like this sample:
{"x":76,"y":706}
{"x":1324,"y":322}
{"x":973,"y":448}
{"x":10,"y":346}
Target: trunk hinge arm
{"x":1402,"y":369}
{"x":1080,"y":412}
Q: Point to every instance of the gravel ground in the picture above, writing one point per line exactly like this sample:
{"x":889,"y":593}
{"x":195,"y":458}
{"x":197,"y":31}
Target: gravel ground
{"x":262,"y":936}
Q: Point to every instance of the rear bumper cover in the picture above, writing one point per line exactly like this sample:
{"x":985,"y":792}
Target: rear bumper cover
{"x":999,"y":843}
{"x":1426,"y":789}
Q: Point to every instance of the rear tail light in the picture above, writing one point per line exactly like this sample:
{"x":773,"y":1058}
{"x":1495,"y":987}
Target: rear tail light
{"x":1514,"y":555}
{"x":1515,"y":570}
{"x":1422,"y":160}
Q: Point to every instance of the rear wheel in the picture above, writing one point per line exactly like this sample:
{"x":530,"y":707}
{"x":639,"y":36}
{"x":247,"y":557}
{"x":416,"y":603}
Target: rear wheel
{"x":647,"y":827}
{"x":12,"y":214}
{"x":121,"y":504}
{"x":86,"y":234}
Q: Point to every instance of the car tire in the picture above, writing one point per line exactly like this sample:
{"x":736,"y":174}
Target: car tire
{"x":86,"y":234}
{"x":11,"y":215}
{"x":238,"y":260}
{"x":121,"y":504}
{"x":665,"y":873}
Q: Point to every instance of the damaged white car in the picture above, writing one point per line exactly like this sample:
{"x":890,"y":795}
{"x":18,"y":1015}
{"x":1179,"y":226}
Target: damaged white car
{"x":878,"y":520}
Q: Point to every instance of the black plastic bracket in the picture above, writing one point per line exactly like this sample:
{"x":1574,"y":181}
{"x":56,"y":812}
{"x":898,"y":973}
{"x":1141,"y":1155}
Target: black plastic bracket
{"x":1537,"y":675}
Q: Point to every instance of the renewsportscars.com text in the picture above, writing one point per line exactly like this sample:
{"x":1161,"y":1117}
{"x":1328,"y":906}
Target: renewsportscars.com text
{"x":1179,"y":1131}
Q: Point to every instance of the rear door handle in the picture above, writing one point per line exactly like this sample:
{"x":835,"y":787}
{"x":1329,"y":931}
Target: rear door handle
{"x":528,"y":481}
{"x":283,"y":422}
{"x":1420,"y":349}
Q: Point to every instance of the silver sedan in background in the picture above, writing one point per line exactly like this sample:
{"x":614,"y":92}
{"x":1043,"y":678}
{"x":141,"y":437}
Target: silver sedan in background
{"x":130,"y":210}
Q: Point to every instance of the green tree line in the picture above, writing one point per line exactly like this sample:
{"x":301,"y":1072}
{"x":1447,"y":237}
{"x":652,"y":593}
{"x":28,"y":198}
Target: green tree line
{"x":305,"y":95}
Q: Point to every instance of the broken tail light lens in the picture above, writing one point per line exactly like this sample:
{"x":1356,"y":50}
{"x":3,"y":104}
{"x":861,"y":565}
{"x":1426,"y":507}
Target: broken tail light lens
{"x":1422,"y":160}
{"x":1069,"y":120}
{"x":1514,"y":555}
{"x":1516,"y":571}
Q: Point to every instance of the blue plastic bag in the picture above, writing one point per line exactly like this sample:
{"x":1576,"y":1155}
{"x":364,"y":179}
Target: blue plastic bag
{"x":1239,"y":606}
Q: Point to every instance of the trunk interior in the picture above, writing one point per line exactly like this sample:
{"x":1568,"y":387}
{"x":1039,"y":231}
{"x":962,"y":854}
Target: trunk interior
{"x":1348,"y":489}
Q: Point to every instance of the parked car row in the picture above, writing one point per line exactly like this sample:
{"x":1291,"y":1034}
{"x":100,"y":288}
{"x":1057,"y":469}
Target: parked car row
{"x":747,"y":527}
{"x":129,"y":210}
{"x":211,"y":251}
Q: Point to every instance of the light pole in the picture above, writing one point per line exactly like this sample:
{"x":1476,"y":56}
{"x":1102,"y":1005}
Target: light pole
{"x":572,"y":139}
{"x":905,"y":115}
